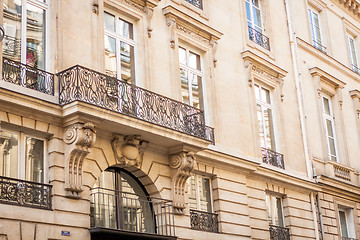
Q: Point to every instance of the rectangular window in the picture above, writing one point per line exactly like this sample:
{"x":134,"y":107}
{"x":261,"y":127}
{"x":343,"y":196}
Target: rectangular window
{"x":275,"y":210}
{"x":199,"y":192}
{"x":196,"y":3}
{"x":191,"y":76}
{"x":264,"y":116}
{"x":315,"y":29}
{"x":25,"y":29}
{"x":119,"y":48}
{"x":253,"y":14}
{"x":347,"y":223}
{"x":329,"y":128}
{"x":19,"y":151}
{"x":352,"y":53}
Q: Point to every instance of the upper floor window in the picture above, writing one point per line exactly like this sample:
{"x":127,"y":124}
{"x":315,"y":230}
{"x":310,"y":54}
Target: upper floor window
{"x":25,"y":31}
{"x":119,"y":48}
{"x":347,"y":227}
{"x":275,"y":210}
{"x":191,"y":76}
{"x":199,"y":193}
{"x":22,"y":156}
{"x":196,"y":3}
{"x":328,"y":117}
{"x":315,"y":29}
{"x":265,"y":118}
{"x":352,"y":53}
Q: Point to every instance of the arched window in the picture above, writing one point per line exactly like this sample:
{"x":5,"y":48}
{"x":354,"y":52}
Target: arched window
{"x":119,"y":201}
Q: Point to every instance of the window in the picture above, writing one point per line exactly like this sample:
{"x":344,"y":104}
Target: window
{"x":22,"y":156}
{"x":275,"y":210}
{"x":25,"y":28}
{"x":329,"y":128}
{"x":191,"y":76}
{"x":199,"y":192}
{"x":264,"y":116}
{"x":346,"y":223}
{"x":119,"y":48}
{"x":315,"y":29}
{"x":352,"y":53}
{"x":196,"y":3}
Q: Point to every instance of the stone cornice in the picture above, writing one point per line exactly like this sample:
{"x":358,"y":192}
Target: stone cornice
{"x":352,"y":5}
{"x":326,"y":77}
{"x":342,"y":189}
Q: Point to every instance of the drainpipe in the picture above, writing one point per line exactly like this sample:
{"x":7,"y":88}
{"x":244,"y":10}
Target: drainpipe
{"x":300,"y":98}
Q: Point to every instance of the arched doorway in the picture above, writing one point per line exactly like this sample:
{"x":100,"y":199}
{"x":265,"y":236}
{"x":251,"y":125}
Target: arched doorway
{"x":120,"y":202}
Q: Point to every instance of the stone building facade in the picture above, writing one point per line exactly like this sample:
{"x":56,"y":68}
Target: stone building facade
{"x":180,"y":119}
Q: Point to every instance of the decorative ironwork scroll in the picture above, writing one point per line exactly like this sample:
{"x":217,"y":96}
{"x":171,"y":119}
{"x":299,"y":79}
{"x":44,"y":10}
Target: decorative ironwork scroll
{"x":25,"y":193}
{"x":259,"y":38}
{"x":196,"y":3}
{"x":279,"y":233}
{"x":204,"y":221}
{"x":28,"y":77}
{"x":82,"y":84}
{"x":319,"y":47}
{"x":273,"y":158}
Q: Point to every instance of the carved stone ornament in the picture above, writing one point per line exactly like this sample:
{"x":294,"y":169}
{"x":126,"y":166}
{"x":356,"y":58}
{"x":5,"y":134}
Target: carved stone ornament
{"x":79,"y":139}
{"x":129,"y":150}
{"x":95,"y":6}
{"x":182,"y":165}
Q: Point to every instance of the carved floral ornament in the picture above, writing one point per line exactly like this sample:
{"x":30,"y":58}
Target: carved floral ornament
{"x":181,"y":24}
{"x":128,"y":150}
{"x":79,"y":138}
{"x":263,"y":71}
{"x":182,"y":165}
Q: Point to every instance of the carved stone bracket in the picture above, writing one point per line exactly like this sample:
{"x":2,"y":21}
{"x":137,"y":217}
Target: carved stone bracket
{"x":214,"y":45}
{"x":95,"y":6}
{"x":129,"y":150}
{"x":149,"y":13}
{"x":172,"y":25}
{"x":355,"y":95}
{"x":182,"y":165}
{"x":79,"y":139}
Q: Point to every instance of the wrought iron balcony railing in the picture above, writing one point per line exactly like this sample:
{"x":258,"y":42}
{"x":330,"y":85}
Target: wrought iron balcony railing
{"x":82,"y":84}
{"x":319,"y":47}
{"x":25,"y":193}
{"x":279,"y":233}
{"x":273,"y":158}
{"x":348,"y":238}
{"x":196,"y":3}
{"x":259,"y":38}
{"x":126,"y":211}
{"x":204,"y":221}
{"x":27,"y":76}
{"x":355,"y":68}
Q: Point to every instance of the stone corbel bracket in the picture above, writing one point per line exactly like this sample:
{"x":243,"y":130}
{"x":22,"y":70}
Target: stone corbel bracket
{"x":95,"y":7}
{"x":182,"y":164}
{"x":264,"y":71}
{"x":355,"y":95}
{"x":186,"y":27}
{"x":129,"y":150}
{"x":79,"y":139}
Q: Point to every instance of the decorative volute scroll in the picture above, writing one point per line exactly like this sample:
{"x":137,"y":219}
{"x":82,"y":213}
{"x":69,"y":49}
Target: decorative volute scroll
{"x":78,"y":138}
{"x":355,"y":95}
{"x":182,"y":165}
{"x":185,"y":26}
{"x":263,"y":71}
{"x":128,"y":150}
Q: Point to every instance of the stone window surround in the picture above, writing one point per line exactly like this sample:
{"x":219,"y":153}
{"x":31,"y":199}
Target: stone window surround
{"x":344,"y":204}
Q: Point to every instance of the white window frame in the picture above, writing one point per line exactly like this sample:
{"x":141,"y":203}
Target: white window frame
{"x":331,"y":118}
{"x":21,"y":161}
{"x":119,"y":38}
{"x":197,"y":191}
{"x":252,"y":23}
{"x":317,"y":42}
{"x":349,"y":218}
{"x":265,"y":105}
{"x":353,"y":54}
{"x":270,"y":200}
{"x":194,"y":71}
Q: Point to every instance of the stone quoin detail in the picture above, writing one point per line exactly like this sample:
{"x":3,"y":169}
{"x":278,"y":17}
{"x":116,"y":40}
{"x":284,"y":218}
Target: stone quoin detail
{"x":78,"y":138}
{"x":182,"y":165}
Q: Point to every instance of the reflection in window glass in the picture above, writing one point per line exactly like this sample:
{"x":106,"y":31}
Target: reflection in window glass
{"x":109,"y":21}
{"x":274,"y":210}
{"x":34,"y":160}
{"x":199,"y":192}
{"x":12,"y":25}
{"x":110,"y":56}
{"x":9,"y":143}
{"x":329,"y":128}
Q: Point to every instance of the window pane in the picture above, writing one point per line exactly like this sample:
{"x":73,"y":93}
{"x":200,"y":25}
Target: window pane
{"x":9,"y":143}
{"x":127,"y":62}
{"x":343,"y":224}
{"x":205,"y":191}
{"x":261,"y":125}
{"x":257,"y":92}
{"x":329,"y":128}
{"x":34,"y":160}
{"x":332,"y":147}
{"x":265,"y":95}
{"x":192,"y":192}
{"x":125,"y":29}
{"x":269,"y":129}
{"x":257,"y":17}
{"x":12,"y":25}
{"x":326,"y":104}
{"x":184,"y":86}
{"x":182,"y":56}
{"x":35,"y":37}
{"x":109,"y":21}
{"x":196,"y":100}
{"x":279,"y":221}
{"x":194,"y":61}
{"x":110,"y":56}
{"x":248,"y":13}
